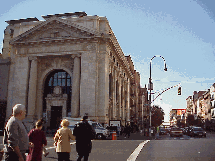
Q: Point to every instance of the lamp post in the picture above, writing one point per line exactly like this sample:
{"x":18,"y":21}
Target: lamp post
{"x":151,"y":87}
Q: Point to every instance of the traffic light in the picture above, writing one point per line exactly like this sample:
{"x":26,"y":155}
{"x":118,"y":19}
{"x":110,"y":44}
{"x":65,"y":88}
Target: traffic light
{"x":179,"y":90}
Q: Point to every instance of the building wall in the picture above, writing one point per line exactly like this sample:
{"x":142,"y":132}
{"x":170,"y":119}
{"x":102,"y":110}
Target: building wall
{"x":4,"y":79}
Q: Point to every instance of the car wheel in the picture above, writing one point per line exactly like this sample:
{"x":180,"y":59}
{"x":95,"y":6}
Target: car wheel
{"x":99,"y":136}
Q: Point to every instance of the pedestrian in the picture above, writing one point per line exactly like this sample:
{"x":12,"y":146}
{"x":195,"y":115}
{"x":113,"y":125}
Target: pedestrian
{"x":1,"y":154}
{"x":62,"y":141}
{"x":16,"y":139}
{"x":38,"y":138}
{"x":84,"y":133}
{"x":45,"y":153}
{"x":118,"y":130}
{"x":122,"y":130}
{"x":127,"y":130}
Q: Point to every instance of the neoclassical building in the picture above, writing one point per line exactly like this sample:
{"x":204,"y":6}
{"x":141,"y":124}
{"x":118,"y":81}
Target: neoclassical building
{"x":68,"y":65}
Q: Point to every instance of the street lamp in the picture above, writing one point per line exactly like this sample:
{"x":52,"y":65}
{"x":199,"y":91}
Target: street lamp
{"x":151,"y":87}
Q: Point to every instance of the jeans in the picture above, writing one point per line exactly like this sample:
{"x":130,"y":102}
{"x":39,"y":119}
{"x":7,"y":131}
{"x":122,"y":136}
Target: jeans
{"x":63,"y":156}
{"x":12,"y":156}
{"x":85,"y":157}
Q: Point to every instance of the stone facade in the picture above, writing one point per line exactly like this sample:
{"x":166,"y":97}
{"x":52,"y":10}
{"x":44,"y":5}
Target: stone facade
{"x":69,"y":64}
{"x":4,"y":79}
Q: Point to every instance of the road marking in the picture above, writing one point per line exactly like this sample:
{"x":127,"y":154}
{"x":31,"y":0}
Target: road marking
{"x":136,"y":152}
{"x":53,"y":147}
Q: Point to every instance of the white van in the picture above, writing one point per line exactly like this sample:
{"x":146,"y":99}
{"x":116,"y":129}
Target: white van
{"x":101,"y":132}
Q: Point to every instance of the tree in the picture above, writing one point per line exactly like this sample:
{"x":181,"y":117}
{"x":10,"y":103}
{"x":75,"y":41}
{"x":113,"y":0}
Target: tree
{"x":157,"y":116}
{"x":190,"y":120}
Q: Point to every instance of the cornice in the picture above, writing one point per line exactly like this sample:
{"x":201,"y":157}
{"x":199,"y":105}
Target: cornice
{"x":117,"y":48}
{"x":58,"y":41}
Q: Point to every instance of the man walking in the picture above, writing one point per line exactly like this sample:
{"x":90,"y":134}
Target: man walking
{"x":84,"y":133}
{"x":127,"y":130}
{"x":16,"y":139}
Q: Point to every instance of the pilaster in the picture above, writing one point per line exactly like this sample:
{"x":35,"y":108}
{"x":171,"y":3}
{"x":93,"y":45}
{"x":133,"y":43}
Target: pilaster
{"x":88,"y":84}
{"x":75,"y":108}
{"x":128,"y":100}
{"x":32,"y":87}
{"x":114,"y":94}
{"x":17,"y":90}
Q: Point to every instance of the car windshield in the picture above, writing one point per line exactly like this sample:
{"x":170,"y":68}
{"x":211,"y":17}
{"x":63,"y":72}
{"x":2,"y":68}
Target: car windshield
{"x":97,"y":125}
{"x":197,"y":129}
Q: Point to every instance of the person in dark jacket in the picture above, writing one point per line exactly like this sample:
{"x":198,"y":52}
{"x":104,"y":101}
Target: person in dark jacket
{"x":127,"y":130}
{"x":84,"y":133}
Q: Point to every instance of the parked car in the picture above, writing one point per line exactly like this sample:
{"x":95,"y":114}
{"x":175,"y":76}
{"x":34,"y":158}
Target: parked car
{"x":71,"y":127}
{"x":163,"y":131}
{"x":185,"y":130}
{"x":101,"y":132}
{"x":189,"y":130}
{"x":168,"y":129}
{"x":197,"y":131}
{"x":176,"y":132}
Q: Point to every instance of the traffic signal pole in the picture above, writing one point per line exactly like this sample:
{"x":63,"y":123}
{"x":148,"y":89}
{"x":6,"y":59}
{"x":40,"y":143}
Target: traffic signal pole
{"x":179,"y":91}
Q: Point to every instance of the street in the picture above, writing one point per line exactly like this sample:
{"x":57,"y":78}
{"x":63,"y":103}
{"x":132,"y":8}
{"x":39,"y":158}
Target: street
{"x":179,"y":148}
{"x":162,"y":148}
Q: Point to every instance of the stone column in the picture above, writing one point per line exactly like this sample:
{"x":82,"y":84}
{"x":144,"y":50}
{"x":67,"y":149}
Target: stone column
{"x":119,"y":101}
{"x":75,"y":108}
{"x":114,"y":94}
{"x":32,"y":88}
{"x":123,"y":101}
{"x":110,"y":112}
{"x":11,"y":85}
{"x":128,"y":100}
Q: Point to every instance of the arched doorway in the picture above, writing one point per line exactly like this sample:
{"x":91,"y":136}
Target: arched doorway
{"x":57,"y":97}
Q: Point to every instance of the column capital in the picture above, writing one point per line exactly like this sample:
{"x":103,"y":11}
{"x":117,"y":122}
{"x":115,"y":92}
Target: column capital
{"x":76,"y":55}
{"x":32,"y":58}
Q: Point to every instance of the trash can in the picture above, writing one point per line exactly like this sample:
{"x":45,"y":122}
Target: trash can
{"x":114,"y":137}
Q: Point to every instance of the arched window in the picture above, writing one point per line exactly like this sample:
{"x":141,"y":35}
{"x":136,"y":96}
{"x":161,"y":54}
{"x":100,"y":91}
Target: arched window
{"x":58,"y":78}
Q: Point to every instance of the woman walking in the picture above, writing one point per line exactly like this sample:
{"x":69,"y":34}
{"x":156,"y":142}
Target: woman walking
{"x":37,"y":136}
{"x":62,"y":141}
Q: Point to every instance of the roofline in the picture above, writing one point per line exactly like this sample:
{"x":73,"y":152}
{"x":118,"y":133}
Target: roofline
{"x":21,"y":20}
{"x":80,"y":14}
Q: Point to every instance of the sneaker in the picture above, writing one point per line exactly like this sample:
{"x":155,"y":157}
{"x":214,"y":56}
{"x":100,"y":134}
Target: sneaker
{"x":46,"y":154}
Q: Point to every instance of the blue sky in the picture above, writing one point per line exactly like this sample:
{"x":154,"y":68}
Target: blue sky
{"x":182,"y":31}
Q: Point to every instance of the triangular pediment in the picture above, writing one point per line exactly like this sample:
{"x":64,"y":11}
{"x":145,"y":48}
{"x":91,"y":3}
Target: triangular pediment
{"x":54,"y":28}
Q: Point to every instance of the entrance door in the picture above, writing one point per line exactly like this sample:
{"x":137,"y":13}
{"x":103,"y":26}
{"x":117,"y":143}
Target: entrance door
{"x":56,"y":116}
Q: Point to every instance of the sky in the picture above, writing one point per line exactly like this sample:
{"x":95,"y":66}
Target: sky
{"x":182,"y":31}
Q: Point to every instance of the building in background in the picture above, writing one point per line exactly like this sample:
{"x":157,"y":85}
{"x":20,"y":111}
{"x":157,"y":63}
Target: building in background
{"x":68,"y":65}
{"x":177,"y":117}
{"x":201,"y":106}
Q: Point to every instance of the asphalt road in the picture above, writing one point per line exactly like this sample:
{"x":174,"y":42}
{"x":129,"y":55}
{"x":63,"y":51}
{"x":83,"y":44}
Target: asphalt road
{"x":163,"y":148}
